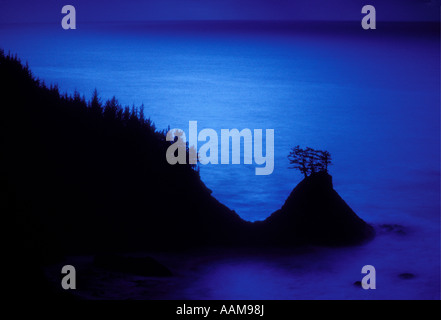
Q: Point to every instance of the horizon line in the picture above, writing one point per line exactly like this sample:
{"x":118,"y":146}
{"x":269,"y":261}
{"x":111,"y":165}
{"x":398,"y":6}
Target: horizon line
{"x":225,"y":21}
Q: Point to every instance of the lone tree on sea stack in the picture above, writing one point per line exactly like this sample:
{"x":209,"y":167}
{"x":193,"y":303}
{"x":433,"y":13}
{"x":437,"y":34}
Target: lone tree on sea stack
{"x":309,"y":160}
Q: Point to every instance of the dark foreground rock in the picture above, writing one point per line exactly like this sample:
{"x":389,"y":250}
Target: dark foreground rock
{"x":392,"y":228}
{"x":406,"y":276}
{"x":315,"y":214}
{"x":144,"y":266}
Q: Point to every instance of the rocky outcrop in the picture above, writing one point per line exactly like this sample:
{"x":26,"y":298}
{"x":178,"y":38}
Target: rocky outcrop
{"x":142,"y":266}
{"x":314,"y":213}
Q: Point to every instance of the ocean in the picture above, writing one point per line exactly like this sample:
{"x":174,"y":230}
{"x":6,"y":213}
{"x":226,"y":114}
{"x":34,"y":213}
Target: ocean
{"x":371,"y":98}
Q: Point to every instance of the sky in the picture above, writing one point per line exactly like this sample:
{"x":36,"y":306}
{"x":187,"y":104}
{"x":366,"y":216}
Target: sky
{"x":17,"y":11}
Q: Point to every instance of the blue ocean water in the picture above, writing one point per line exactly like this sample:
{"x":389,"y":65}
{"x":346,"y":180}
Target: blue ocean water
{"x":371,"y":99}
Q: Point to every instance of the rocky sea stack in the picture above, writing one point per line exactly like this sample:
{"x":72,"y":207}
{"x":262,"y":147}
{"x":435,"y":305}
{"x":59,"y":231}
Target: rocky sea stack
{"x":314,"y":213}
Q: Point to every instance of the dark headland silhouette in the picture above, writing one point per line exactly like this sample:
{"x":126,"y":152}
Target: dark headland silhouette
{"x":92,"y":177}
